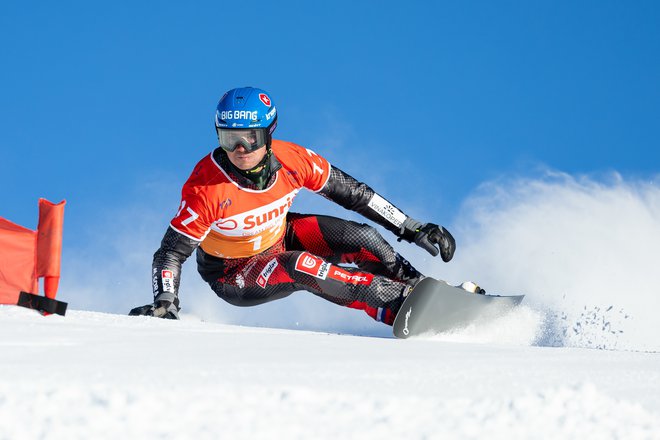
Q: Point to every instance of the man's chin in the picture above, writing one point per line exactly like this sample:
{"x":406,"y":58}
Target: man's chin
{"x":244,"y":165}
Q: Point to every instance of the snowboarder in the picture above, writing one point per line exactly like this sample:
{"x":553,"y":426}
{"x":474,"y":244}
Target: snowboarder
{"x":251,"y":249}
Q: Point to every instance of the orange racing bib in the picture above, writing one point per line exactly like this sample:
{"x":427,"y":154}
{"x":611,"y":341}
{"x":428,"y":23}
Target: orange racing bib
{"x":236,"y":222}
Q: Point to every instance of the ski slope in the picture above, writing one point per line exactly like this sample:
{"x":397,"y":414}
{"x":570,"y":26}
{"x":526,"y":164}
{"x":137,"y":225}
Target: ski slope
{"x":96,"y":375}
{"x":580,"y":358}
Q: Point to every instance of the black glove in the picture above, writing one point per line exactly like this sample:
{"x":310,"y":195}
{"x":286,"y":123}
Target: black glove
{"x":429,"y":235}
{"x":159,"y":309}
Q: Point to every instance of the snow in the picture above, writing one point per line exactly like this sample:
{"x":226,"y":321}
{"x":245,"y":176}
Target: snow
{"x":579,"y":359}
{"x":98,"y":375}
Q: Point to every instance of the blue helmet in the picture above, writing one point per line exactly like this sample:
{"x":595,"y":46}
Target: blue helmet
{"x":246,"y":108}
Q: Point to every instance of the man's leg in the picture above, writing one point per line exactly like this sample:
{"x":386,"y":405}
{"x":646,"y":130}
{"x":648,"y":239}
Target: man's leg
{"x":267,"y":277}
{"x":342,"y":241}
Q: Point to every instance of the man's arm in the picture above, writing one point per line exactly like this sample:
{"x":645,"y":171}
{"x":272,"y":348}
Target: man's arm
{"x":174,"y":249}
{"x":346,"y":191}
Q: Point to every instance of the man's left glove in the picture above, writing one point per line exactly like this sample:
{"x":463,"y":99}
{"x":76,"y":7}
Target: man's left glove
{"x":429,"y":235}
{"x":159,"y":309}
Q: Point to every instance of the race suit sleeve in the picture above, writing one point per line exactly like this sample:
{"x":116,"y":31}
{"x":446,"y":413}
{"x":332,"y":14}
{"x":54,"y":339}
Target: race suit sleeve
{"x":174,"y":249}
{"x":348,"y":192}
{"x":186,"y":231}
{"x":310,"y":169}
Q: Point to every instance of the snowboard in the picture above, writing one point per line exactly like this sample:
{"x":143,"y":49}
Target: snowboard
{"x":434,"y":306}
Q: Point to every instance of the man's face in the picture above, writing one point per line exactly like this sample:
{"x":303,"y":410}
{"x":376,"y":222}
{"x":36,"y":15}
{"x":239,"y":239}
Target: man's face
{"x":244,"y":160}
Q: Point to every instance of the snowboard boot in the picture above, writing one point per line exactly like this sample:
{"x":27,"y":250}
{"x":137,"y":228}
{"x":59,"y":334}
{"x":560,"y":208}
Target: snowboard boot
{"x":410,"y":285}
{"x":471,"y":287}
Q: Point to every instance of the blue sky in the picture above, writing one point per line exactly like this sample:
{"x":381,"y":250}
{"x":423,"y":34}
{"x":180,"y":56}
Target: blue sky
{"x":109,"y":105}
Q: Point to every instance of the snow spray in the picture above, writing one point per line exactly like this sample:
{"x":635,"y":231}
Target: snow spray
{"x":583,"y":249}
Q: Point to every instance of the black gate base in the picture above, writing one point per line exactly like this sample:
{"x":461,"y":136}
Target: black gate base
{"x":41,"y":303}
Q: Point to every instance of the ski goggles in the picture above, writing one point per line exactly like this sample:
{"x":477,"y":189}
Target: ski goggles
{"x":251,"y":139}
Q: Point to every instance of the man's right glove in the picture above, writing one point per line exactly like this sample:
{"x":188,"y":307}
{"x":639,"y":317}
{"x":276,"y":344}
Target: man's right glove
{"x":159,"y":309}
{"x":429,"y":235}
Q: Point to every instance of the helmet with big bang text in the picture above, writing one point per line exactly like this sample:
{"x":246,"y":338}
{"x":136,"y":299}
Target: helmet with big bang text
{"x":246,"y":117}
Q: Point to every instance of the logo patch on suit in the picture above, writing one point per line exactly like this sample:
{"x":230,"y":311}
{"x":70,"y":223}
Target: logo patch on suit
{"x":168,"y":281}
{"x":262,"y":279}
{"x":339,"y":274}
{"x":312,"y":265}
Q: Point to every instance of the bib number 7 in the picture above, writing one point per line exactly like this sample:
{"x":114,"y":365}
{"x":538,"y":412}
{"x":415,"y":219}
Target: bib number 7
{"x":191,"y":215}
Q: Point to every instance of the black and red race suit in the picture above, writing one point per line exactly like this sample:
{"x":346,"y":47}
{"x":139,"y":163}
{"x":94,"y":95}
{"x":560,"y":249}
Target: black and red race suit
{"x":251,"y":249}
